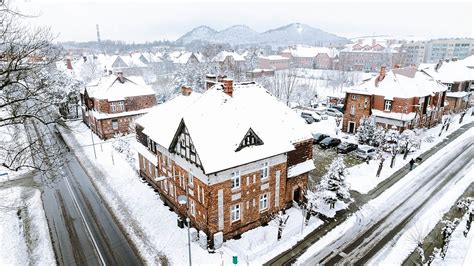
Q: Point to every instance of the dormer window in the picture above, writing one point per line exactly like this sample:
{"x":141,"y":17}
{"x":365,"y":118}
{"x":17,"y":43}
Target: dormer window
{"x":250,"y":139}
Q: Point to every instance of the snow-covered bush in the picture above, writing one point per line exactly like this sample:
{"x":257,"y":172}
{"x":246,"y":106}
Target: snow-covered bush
{"x":122,"y":145}
{"x":429,"y":138}
{"x":369,"y":133}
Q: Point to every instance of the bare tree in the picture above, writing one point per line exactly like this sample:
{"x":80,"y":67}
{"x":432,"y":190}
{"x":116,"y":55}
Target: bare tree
{"x":284,"y":85}
{"x":31,"y":89}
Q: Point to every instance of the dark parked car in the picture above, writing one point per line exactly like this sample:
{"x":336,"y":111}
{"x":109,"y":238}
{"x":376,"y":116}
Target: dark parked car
{"x":317,"y":137}
{"x":308,"y":119}
{"x":308,"y":115}
{"x":346,"y":147}
{"x":329,"y":142}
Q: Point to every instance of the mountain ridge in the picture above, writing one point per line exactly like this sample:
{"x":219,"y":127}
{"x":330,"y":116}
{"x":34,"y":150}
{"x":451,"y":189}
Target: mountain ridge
{"x":293,"y":33}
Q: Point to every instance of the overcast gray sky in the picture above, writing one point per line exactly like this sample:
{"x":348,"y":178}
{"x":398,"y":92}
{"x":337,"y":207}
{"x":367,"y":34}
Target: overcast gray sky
{"x":138,"y":21}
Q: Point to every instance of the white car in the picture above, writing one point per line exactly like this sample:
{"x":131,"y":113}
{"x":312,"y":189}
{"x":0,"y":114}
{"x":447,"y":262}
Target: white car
{"x":333,"y":112}
{"x":364,"y":152}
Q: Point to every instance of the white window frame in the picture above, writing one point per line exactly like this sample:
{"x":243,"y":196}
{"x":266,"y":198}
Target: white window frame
{"x":192,"y":207}
{"x":150,"y":166}
{"x":263,"y":203}
{"x":387,"y":106}
{"x":353,"y":109}
{"x":191,"y":179}
{"x":354,"y":97}
{"x":112,"y":121}
{"x":235,"y":213}
{"x":235,"y":180}
{"x":265,"y":170}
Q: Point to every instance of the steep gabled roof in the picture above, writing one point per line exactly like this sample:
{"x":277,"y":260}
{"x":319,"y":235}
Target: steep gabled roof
{"x":401,"y":83}
{"x":111,"y":88}
{"x":218,"y":123}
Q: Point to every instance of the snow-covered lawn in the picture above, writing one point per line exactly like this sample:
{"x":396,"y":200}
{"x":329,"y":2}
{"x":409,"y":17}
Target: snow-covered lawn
{"x":24,"y":235}
{"x":390,"y":197}
{"x":153,"y":227}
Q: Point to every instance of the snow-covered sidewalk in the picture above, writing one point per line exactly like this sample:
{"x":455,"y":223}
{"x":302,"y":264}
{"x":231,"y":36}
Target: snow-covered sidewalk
{"x":372,"y":207}
{"x":363,"y":178}
{"x":153,"y":227}
{"x":24,"y":235}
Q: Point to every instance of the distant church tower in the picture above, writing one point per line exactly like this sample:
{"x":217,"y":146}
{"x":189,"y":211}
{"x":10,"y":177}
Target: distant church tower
{"x":98,"y":33}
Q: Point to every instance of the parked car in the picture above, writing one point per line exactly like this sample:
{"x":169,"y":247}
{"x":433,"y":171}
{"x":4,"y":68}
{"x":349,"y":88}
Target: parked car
{"x":333,"y":112}
{"x":339,"y":107}
{"x":317,"y":137}
{"x":315,"y":117}
{"x":329,"y":142}
{"x":308,"y":119}
{"x":365,"y":152}
{"x":322,"y":114}
{"x":346,"y":147}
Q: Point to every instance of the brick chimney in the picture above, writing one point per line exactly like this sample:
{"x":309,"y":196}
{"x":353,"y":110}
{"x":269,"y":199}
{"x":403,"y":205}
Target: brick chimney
{"x":68,"y":64}
{"x":228,"y":86}
{"x":381,"y":76}
{"x":186,"y":90}
{"x":120,"y":77}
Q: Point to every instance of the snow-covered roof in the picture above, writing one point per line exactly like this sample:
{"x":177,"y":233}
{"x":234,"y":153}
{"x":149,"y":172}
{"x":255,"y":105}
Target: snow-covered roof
{"x":468,"y":61}
{"x":310,"y":51}
{"x":400,"y":83}
{"x":458,"y":94}
{"x":450,"y":72}
{"x":183,"y":58}
{"x":301,"y":168}
{"x":371,"y":46}
{"x":111,"y":88}
{"x":220,"y":57}
{"x":274,"y":57}
{"x":217,"y":123}
{"x":394,"y":115}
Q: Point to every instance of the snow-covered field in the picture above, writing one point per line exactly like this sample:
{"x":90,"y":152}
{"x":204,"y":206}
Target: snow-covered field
{"x":389,"y":197}
{"x":24,"y":235}
{"x":153,"y":227}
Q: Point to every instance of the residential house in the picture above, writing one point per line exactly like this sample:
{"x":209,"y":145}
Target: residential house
{"x":275,"y":62}
{"x":402,"y":98}
{"x":311,"y":57}
{"x":459,"y":80}
{"x":241,"y":154}
{"x":368,"y":55}
{"x":112,"y":103}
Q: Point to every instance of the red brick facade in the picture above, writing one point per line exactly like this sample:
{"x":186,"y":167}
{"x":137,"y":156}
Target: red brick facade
{"x":205,"y":194}
{"x":106,"y":121}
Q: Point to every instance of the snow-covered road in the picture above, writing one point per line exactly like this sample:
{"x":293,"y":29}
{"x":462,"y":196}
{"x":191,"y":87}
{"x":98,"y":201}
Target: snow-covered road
{"x":378,"y":221}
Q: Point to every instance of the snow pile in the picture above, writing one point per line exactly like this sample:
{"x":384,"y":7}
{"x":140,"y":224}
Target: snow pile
{"x":24,"y":235}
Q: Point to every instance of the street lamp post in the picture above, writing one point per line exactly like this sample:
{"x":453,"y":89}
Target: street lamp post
{"x":185,"y":200}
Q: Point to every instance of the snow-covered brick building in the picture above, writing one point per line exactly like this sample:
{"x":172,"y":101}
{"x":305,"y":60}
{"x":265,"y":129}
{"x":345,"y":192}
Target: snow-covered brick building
{"x":458,"y":78}
{"x":369,"y":55}
{"x":242,"y":154}
{"x":402,"y":98}
{"x":311,"y":57}
{"x":111,"y":103}
{"x":275,"y":62}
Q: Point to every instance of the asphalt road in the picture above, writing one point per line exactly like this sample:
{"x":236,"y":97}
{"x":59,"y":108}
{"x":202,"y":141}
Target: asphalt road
{"x":82,"y":229}
{"x":289,"y":256}
{"x":366,"y":240}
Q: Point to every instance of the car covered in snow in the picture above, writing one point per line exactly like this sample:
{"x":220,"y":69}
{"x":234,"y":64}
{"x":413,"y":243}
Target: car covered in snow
{"x":317,"y":137}
{"x":333,"y":112}
{"x":364,"y":152}
{"x":329,"y":142}
{"x":346,"y":147}
{"x":313,"y":117}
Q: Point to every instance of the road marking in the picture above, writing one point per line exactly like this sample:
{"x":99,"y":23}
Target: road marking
{"x":89,"y":232}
